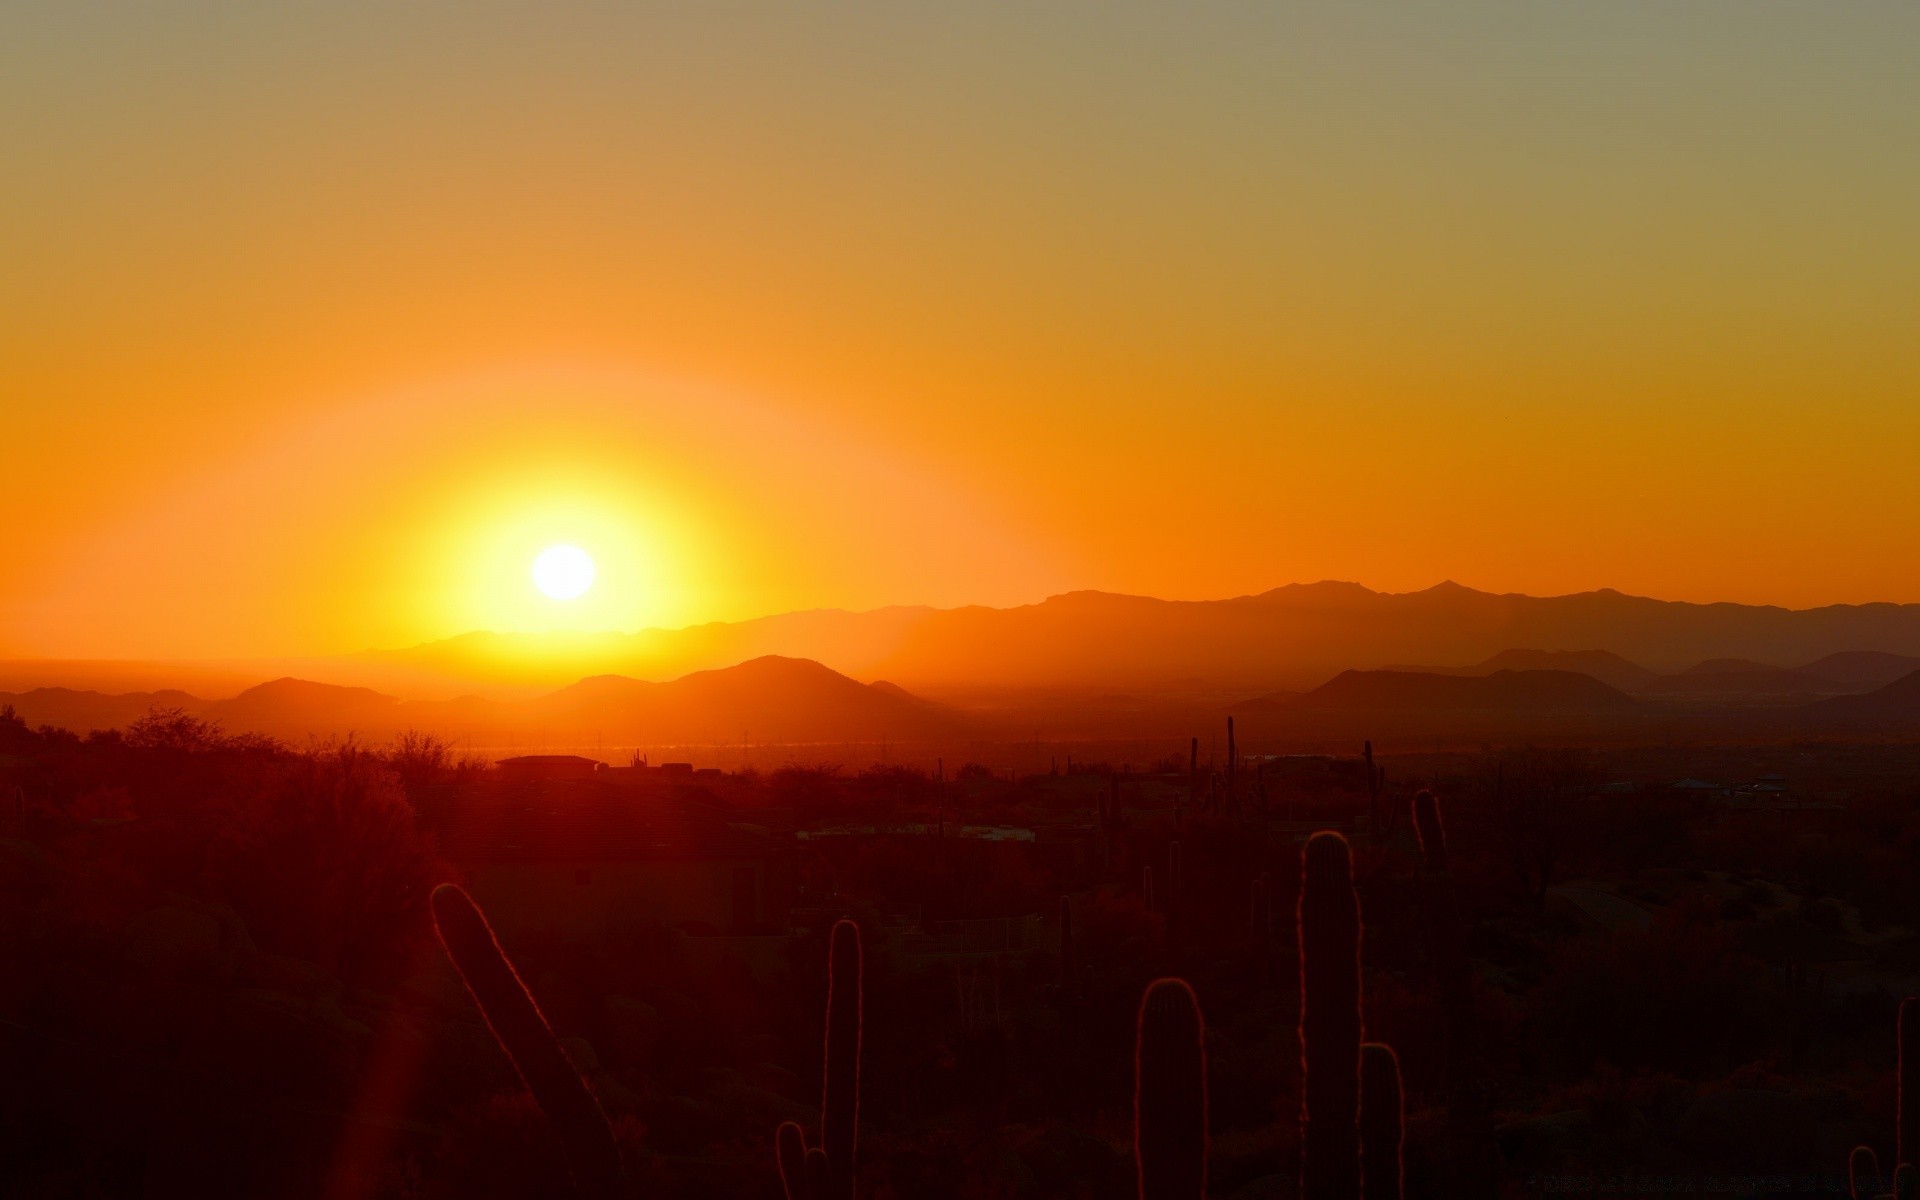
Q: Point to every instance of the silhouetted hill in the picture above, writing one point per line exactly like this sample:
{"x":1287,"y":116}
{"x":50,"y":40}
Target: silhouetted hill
{"x":1604,"y":665}
{"x":1517,"y":692}
{"x":1734,"y":680}
{"x":81,"y":711}
{"x":1863,"y":669}
{"x":1899,"y":700}
{"x":885,"y":688}
{"x":1290,"y":637}
{"x":1609,"y":668}
{"x":288,"y":707}
{"x":847,"y":641}
{"x":769,"y":699}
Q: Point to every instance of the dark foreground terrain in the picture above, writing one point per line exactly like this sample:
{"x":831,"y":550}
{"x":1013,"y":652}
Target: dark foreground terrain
{"x":1638,"y":971}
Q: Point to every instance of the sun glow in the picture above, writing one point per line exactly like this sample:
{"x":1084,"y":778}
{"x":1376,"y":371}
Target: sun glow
{"x":563,"y":572}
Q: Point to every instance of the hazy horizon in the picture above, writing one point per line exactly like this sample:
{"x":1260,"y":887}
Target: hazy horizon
{"x":586,"y":636}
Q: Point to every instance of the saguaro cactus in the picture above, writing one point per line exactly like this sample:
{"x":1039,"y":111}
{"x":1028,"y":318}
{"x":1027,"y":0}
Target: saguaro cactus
{"x":1469,"y":1110}
{"x":1066,"y":942}
{"x":826,"y":1171}
{"x":1376,"y":782}
{"x":1864,"y":1181}
{"x":1805,"y":992}
{"x":1381,"y":1109}
{"x":1433,"y":837}
{"x":1329,"y":916}
{"x":1071,"y":980}
{"x":1907,"y":1114}
{"x":1233,"y":757}
{"x":517,"y":1023}
{"x":1170,"y":1094}
{"x":1445,"y":935}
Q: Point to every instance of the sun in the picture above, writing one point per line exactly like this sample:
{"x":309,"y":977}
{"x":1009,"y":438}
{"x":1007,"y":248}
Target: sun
{"x":563,"y":572}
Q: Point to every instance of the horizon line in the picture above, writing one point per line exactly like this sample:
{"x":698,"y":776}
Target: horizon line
{"x":1445,"y":585}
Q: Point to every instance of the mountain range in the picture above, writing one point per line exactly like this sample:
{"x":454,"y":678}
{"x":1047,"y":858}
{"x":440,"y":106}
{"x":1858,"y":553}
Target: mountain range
{"x":1293,"y":637}
{"x":1300,"y":658}
{"x":770,"y":699}
{"x":773,"y":701}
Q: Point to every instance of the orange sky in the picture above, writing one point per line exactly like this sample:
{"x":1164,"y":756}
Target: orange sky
{"x":317,"y":321}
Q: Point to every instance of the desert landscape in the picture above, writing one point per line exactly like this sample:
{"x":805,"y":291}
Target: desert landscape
{"x":1251,"y":600}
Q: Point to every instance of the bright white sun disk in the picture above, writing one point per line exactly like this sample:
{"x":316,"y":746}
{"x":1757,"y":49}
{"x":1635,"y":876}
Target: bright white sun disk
{"x":563,"y":572}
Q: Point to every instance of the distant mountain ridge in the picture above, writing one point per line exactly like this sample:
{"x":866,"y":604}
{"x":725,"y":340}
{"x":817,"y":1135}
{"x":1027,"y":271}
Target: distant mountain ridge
{"x":1730,"y":678}
{"x":1295,"y":637}
{"x":1607,"y":667}
{"x":81,"y":710}
{"x":1515,"y":692}
{"x":769,"y":699}
{"x":1288,"y":638}
{"x":1864,"y":668}
{"x":1897,"y":702}
{"x":1095,"y":662}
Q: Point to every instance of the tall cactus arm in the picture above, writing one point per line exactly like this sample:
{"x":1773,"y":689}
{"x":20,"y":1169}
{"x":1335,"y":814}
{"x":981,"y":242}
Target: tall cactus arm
{"x":1433,"y":836}
{"x":1381,"y":1118}
{"x":1170,"y":1094}
{"x":1907,"y":1115}
{"x":1329,"y":916}
{"x":516,"y":1021}
{"x":790,"y":1151}
{"x":840,"y":1098}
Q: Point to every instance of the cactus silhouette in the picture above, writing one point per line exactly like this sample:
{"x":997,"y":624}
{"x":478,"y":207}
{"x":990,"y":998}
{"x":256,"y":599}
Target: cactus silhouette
{"x":1805,"y":992}
{"x":1233,"y":756}
{"x":1329,"y":916}
{"x":1376,"y":782}
{"x":1067,"y":971}
{"x":1351,"y":1098}
{"x":1443,"y":916}
{"x":516,"y":1022}
{"x":1907,"y":1113}
{"x":1863,"y":1167}
{"x":1864,"y":1181}
{"x":1071,"y":987}
{"x":1444,"y":931}
{"x":826,"y":1171}
{"x":1433,"y":836}
{"x":1373,"y":793}
{"x":1381,"y":1108}
{"x":790,"y":1152}
{"x":1170,"y":1094}
{"x":1469,"y":1111}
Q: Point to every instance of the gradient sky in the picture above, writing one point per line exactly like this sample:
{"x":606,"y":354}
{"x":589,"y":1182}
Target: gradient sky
{"x":318,"y":320}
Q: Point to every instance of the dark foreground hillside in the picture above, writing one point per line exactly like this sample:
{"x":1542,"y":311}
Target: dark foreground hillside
{"x":218,"y":972}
